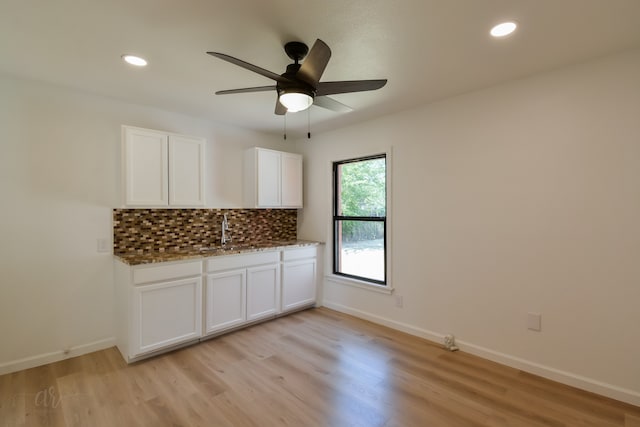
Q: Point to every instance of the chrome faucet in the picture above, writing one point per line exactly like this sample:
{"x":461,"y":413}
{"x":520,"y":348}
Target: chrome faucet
{"x":225,"y":227}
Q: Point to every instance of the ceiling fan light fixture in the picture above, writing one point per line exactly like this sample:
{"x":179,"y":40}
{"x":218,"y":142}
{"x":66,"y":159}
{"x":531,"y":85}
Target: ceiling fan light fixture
{"x":296,"y":100}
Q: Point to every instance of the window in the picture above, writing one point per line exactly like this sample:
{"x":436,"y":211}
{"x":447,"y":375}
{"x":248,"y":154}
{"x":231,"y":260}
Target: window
{"x":360,"y":218}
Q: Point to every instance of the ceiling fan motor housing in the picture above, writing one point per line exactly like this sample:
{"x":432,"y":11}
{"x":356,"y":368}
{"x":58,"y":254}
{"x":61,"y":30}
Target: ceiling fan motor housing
{"x":294,"y":84}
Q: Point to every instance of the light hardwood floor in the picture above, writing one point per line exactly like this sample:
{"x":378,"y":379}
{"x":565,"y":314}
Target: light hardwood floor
{"x":313,"y":368}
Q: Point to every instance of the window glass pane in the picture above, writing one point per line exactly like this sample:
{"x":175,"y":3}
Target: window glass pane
{"x":360,"y":249}
{"x":362,"y":189}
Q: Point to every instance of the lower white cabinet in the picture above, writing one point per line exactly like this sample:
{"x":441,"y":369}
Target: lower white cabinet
{"x":298,"y":278}
{"x":157,"y":306}
{"x":263,"y":291}
{"x":226,"y":303}
{"x":241,"y":288}
{"x":165,"y":305}
{"x":298,"y":284}
{"x":165,"y":314}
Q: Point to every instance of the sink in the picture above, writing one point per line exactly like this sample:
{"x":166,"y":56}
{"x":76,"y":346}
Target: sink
{"x":238,"y":247}
{"x":228,"y":248}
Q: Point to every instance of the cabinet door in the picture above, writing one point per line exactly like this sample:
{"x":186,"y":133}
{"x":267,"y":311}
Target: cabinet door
{"x":268,"y":178}
{"x":165,"y":314}
{"x":186,"y":171}
{"x":298,"y":284}
{"x":263,"y":291}
{"x":225,"y":300}
{"x":291,"y":180}
{"x":146,"y":167}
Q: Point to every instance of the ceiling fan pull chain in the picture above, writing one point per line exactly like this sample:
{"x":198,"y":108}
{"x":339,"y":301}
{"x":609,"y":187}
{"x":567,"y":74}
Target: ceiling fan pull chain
{"x":285,"y":126}
{"x":308,"y":123}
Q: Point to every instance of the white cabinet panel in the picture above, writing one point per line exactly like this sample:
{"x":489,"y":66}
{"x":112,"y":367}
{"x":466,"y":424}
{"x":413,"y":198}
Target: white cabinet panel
{"x":298,"y":283}
{"x":225,"y":300}
{"x":269,"y":178}
{"x":186,"y":171}
{"x":257,"y":275}
{"x":291,"y":183}
{"x":263,"y":291}
{"x":165,"y":314}
{"x":273,"y":179}
{"x":145,"y":167}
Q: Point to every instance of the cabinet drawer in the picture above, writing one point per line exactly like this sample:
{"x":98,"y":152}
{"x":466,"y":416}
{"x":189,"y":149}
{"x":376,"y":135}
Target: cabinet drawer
{"x":166,"y":272}
{"x":291,"y":254}
{"x":227,"y":262}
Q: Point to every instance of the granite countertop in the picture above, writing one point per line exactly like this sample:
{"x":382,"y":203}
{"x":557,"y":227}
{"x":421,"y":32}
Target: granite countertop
{"x":205,"y":252}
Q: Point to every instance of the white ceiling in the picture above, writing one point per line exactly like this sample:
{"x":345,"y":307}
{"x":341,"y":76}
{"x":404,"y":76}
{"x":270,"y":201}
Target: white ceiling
{"x":427,"y":49}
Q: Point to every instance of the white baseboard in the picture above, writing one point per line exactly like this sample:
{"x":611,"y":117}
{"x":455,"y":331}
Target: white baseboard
{"x":404,"y":327}
{"x":55,"y":356}
{"x":614,"y":392}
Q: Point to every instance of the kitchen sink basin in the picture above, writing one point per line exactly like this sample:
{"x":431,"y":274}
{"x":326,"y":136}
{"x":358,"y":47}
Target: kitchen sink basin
{"x":228,"y":248}
{"x":238,"y":247}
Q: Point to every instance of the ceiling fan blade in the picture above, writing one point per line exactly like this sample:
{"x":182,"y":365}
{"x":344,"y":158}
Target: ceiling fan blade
{"x":281,"y":110}
{"x":331,"y":88}
{"x":246,"y":90}
{"x":250,"y":67}
{"x":314,"y":64}
{"x":331,"y":104}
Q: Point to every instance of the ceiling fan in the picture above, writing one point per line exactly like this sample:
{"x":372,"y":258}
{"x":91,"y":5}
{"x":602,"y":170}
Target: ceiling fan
{"x":299,"y":87}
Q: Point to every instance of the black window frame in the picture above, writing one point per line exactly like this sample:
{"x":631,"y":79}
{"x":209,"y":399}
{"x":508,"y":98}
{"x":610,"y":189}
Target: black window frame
{"x":338,"y":218}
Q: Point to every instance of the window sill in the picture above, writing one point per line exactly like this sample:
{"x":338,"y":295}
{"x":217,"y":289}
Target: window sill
{"x":382,"y":289}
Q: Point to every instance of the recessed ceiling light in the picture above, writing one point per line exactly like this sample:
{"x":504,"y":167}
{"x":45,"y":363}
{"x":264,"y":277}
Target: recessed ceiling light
{"x":503,"y":29}
{"x":134,"y":60}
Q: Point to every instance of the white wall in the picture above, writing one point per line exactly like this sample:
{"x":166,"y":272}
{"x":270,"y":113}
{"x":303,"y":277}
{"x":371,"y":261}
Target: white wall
{"x":524,"y":197}
{"x":59,"y":181}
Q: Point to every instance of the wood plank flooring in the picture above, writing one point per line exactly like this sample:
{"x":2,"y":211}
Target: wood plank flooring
{"x":313,"y":368}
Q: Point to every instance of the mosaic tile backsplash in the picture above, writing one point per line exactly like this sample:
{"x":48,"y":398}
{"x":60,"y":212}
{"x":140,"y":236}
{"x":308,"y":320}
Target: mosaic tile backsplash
{"x":157,"y":230}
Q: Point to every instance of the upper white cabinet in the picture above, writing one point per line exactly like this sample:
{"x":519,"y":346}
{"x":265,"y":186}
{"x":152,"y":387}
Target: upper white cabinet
{"x":162,"y":169}
{"x":268,"y":178}
{"x":186,"y":171}
{"x":146,"y":167}
{"x":273,"y":179}
{"x":291,"y":184}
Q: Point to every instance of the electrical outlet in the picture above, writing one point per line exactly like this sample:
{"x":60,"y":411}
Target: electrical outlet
{"x":534,"y":322}
{"x":399,"y":301}
{"x":103,"y":245}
